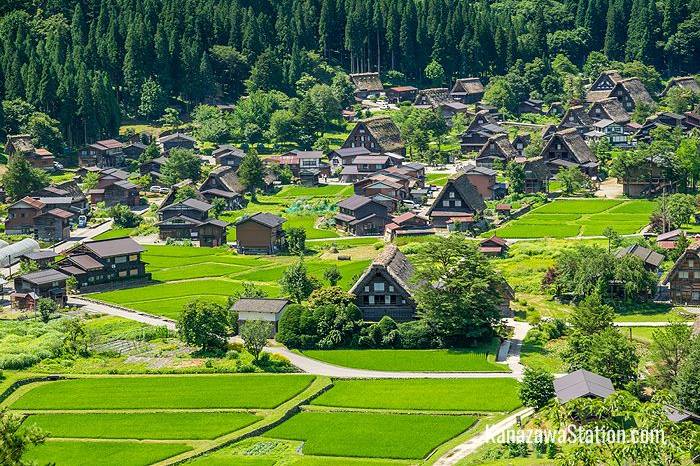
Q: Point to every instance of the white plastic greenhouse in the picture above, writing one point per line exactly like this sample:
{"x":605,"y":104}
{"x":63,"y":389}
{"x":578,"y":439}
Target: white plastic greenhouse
{"x":9,"y":254}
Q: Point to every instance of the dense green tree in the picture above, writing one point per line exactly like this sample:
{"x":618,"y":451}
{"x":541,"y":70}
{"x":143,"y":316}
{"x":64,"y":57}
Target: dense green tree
{"x":537,"y":388}
{"x":21,"y":179}
{"x":296,"y":240}
{"x":687,"y":382}
{"x":204,"y":325}
{"x":17,"y":438}
{"x":296,"y":282}
{"x":251,"y":173}
{"x":182,"y":164}
{"x":670,"y":347}
{"x":152,"y":101}
{"x":254,"y":334}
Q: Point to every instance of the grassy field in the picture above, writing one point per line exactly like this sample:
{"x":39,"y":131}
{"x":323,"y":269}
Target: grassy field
{"x":213,"y":274}
{"x":456,"y":360}
{"x":438,"y":179}
{"x":372,"y":435}
{"x":585,"y":217}
{"x":178,"y":392}
{"x":160,"y":426}
{"x":424,"y":394}
{"x":74,"y":453}
{"x":547,"y":356}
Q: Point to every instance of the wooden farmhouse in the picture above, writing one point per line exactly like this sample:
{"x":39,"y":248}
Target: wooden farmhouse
{"x":223,"y":183}
{"x":484,"y":180}
{"x":400,"y":94}
{"x":107,"y":153}
{"x":467,"y":90}
{"x":265,"y":309}
{"x":477,"y":134}
{"x":31,"y":287}
{"x":378,"y":135}
{"x":576,"y":117}
{"x":649,"y":179}
{"x":21,"y":145}
{"x":176,"y":141}
{"x":260,"y":233}
{"x":228,"y":156}
{"x":568,"y":149}
{"x":631,"y":92}
{"x":189,"y":220}
{"x":683,"y":279}
{"x":682,"y":82}
{"x":537,"y":175}
{"x":498,"y":149}
{"x":603,"y":85}
{"x":367,"y":85}
{"x":457,"y":205}
{"x":362,"y":215}
{"x":384,"y":289}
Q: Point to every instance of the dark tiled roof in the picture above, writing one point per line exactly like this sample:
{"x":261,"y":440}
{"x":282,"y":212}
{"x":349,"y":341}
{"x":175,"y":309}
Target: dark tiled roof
{"x":85,"y":262}
{"x":264,"y":305}
{"x":197,"y":205}
{"x":582,"y":383}
{"x":474,"y":169}
{"x":174,"y":136}
{"x":354,"y":202}
{"x":43,"y":277}
{"x":40,"y":255}
{"x":264,"y":218}
{"x":646,"y":255}
{"x":113,"y":247}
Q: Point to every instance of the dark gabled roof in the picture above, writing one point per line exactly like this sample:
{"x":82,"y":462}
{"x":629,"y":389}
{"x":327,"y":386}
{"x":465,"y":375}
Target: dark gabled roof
{"x":575,"y":143}
{"x":264,"y":305}
{"x":648,"y":256}
{"x":676,"y":415}
{"x":504,"y":145}
{"x":59,"y":213}
{"x":227,"y":176}
{"x":596,"y":95}
{"x":367,"y":82}
{"x":612,"y":108}
{"x":370,"y":159}
{"x":467,"y":86}
{"x":220,"y":193}
{"x":350,"y":151}
{"x":669,"y":235}
{"x":434,"y":97}
{"x":43,"y":277}
{"x":34,"y":203}
{"x":181,"y":220}
{"x":394,"y":263}
{"x":115,"y":172}
{"x":479,"y":170}
{"x":173,"y":136}
{"x":466,"y":190}
{"x":21,"y":143}
{"x":694,"y":247}
{"x":684,"y":82}
{"x":216,"y":222}
{"x":85,"y":262}
{"x":107,"y":144}
{"x":227,"y":149}
{"x":39,"y":255}
{"x":263,"y":218}
{"x":636,"y":90}
{"x":579,"y":114}
{"x":113,"y":247}
{"x":125,"y":184}
{"x":385,"y":132}
{"x":582,"y":383}
{"x":354,"y":202}
{"x":196,"y":205}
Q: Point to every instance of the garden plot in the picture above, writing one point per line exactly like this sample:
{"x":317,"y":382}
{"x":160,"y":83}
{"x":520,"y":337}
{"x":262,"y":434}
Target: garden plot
{"x":586,"y":217}
{"x":75,"y":453}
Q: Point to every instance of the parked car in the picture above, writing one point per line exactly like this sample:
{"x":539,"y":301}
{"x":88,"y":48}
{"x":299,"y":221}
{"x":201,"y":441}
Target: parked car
{"x":155,"y":189}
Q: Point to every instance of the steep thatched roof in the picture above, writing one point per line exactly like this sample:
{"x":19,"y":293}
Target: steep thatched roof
{"x":392,"y":262}
{"x":636,"y":90}
{"x":684,"y":82}
{"x":467,"y":86}
{"x":466,"y":190}
{"x":504,"y":147}
{"x":600,"y":89}
{"x":575,"y":143}
{"x":21,"y":143}
{"x":368,"y":82}
{"x":610,"y":108}
{"x":433,"y":97}
{"x":385,"y":131}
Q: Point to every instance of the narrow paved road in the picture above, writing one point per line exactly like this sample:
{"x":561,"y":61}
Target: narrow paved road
{"x":462,"y":450}
{"x":83,"y":234}
{"x":314,"y":366}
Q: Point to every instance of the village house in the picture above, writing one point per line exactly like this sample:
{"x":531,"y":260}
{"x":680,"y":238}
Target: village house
{"x":30,"y":216}
{"x":607,"y":130}
{"x":260,"y":233}
{"x":439,"y":99}
{"x":576,"y":117}
{"x":43,"y":258}
{"x":378,"y":135}
{"x":113,"y":261}
{"x":537,"y":175}
{"x":484,"y":180}
{"x":113,"y":188}
{"x":153,"y":169}
{"x":582,"y":384}
{"x":361,"y":216}
{"x":133,"y":150}
{"x":520,"y":142}
{"x":264,"y":309}
{"x":52,"y":225}
{"x":107,"y":153}
{"x":384,"y":289}
{"x":189,"y":220}
{"x":568,"y":149}
{"x":457,"y":205}
{"x":66,"y":195}
{"x":477,"y":134}
{"x":648,"y":179}
{"x":683,"y":279}
{"x":609,"y":109}
{"x":228,"y":156}
{"x":661,"y":119}
{"x":556,"y":109}
{"x":548,"y":131}
{"x":669,"y":239}
{"x":21,"y":145}
{"x":681,"y":82}
{"x":222,"y":182}
{"x":603,"y":86}
{"x":631,"y":92}
{"x":363,"y":166}
{"x":652,"y":260}
{"x":343,"y":157}
{"x":21,"y":214}
{"x":494,"y":247}
{"x":176,"y":140}
{"x":33,"y":286}
{"x":398,"y":94}
{"x":530,"y":106}
{"x":405,"y":224}
{"x":367,"y":85}
{"x":497,"y":150}
{"x":467,"y":90}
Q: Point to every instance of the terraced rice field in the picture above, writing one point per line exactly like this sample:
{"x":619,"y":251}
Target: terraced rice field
{"x":586,"y":217}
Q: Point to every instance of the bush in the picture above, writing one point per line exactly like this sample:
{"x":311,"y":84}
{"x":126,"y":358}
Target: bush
{"x":537,"y":388}
{"x":415,"y":335}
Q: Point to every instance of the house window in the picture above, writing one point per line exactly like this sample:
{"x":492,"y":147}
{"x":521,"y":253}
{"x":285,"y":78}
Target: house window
{"x":452,"y":195}
{"x":696,"y":295}
{"x":122,"y":274}
{"x":445,"y":203}
{"x":691,"y":263}
{"x":371,"y":299}
{"x":134,"y":272}
{"x":391,"y":288}
{"x":134,"y":257}
{"x":366,"y":288}
{"x":379,"y":287}
{"x":458,"y":203}
{"x":120,"y":259}
{"x":387,"y":299}
{"x":683,"y":274}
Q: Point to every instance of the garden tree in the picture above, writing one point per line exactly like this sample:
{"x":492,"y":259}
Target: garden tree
{"x":330,"y":295}
{"x":28,"y":267}
{"x":584,"y":270}
{"x":296,"y":240}
{"x":670,"y":347}
{"x":332,"y":275}
{"x":21,"y":179}
{"x":324,"y":99}
{"x":210,"y":124}
{"x":679,"y":100}
{"x":252,"y":173}
{"x":642,"y":111}
{"x":170,"y":117}
{"x":254,"y":334}
{"x":45,"y":132}
{"x":218,"y":207}
{"x":16,"y":438}
{"x":457,"y":291}
{"x":185,"y":192}
{"x":248,"y":290}
{"x":515,"y":177}
{"x":152,"y":101}
{"x":181,"y":164}
{"x":296,"y":283}
{"x":435,"y":73}
{"x":76,"y":338}
{"x":90,"y":180}
{"x":205,"y":325}
{"x":671,"y":212}
{"x":687,"y":160}
{"x":620,"y":412}
{"x":124,"y":217}
{"x":282,"y":126}
{"x":573,"y":180}
{"x":45,"y":307}
{"x":499,"y":93}
{"x":614,"y":238}
{"x":537,"y":388}
{"x":72,"y":284}
{"x":687,"y":382}
{"x":324,"y":327}
{"x":343,"y":89}
{"x":535,"y":147}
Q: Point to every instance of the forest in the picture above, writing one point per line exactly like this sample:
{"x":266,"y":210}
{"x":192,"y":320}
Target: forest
{"x":85,"y":65}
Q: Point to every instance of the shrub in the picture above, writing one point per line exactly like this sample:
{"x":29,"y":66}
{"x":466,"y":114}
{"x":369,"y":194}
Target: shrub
{"x":415,"y":335}
{"x":537,"y":388}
